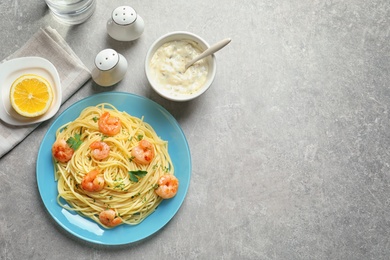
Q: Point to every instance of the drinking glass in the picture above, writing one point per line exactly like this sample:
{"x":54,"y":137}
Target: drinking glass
{"x":71,"y":11}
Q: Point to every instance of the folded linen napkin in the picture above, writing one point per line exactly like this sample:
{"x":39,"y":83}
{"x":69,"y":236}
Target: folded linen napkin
{"x":46,"y":43}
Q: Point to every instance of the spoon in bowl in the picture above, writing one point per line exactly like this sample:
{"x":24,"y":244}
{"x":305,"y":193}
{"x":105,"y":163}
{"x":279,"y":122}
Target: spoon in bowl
{"x":214,"y":48}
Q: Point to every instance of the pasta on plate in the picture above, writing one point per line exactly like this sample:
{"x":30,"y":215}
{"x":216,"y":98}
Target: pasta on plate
{"x":112,"y":167}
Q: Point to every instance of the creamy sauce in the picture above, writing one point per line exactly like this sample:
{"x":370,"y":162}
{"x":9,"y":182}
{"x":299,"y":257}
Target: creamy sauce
{"x":167,"y":67}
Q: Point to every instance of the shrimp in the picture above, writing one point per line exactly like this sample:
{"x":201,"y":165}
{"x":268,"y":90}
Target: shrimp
{"x":61,"y":151}
{"x":167,"y":186}
{"x":109,"y":125}
{"x":100,"y":150}
{"x":143,"y":153}
{"x":109,"y":218}
{"x":92,"y":181}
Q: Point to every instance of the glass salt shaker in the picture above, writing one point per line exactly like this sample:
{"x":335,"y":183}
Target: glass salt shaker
{"x":110,"y":68}
{"x":125,"y":24}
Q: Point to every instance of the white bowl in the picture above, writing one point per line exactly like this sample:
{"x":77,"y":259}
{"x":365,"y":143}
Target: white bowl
{"x":174,"y":36}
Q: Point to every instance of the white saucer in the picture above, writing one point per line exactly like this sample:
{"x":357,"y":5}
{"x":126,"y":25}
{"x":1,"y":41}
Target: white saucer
{"x":10,"y":71}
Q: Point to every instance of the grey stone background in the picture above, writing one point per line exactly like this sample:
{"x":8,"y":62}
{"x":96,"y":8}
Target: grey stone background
{"x":289,"y":146}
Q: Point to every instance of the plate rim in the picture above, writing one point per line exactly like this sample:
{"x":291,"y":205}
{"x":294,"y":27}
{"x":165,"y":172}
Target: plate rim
{"x":68,"y":110}
{"x":22,"y":64}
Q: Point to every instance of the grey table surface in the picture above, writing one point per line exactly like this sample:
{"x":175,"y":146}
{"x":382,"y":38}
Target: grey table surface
{"x":289,"y":146}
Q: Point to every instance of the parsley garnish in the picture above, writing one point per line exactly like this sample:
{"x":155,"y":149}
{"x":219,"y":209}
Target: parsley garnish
{"x":74,"y":142}
{"x":120,"y":185}
{"x":136,"y":175}
{"x":95,"y":119}
{"x":136,"y":195}
{"x":139,"y":137}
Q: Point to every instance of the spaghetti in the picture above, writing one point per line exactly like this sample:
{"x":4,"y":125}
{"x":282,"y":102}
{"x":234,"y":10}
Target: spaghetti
{"x":129,"y":187}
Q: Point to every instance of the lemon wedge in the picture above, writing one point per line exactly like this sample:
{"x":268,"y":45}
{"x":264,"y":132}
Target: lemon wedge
{"x":31,"y":95}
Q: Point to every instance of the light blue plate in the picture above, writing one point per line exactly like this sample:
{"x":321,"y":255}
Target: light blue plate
{"x":165,"y":126}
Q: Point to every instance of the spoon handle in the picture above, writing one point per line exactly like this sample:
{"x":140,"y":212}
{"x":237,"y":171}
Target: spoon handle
{"x":214,"y":48}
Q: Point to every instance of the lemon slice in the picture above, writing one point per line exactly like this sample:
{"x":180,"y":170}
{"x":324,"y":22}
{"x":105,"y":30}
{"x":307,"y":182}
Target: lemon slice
{"x":31,"y":95}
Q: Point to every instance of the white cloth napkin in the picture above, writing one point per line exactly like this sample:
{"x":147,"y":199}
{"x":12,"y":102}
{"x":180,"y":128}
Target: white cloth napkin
{"x":46,"y":43}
